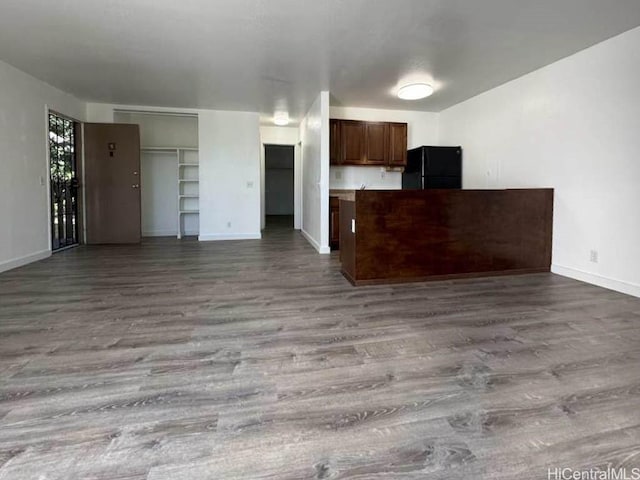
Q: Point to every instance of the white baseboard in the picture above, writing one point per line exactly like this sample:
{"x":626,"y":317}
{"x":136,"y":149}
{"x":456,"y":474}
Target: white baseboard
{"x":19,"y":262}
{"x":594,"y":279}
{"x":229,"y":236}
{"x":322,"y":250}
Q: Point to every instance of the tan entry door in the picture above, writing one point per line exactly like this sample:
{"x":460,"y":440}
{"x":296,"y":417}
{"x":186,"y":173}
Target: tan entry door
{"x":112,"y":182}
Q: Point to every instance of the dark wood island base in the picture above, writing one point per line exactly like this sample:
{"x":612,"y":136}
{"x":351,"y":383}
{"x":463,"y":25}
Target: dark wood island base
{"x":392,"y":236}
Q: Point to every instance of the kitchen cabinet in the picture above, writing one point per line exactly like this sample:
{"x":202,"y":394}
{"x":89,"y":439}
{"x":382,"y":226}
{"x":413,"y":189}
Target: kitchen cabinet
{"x":376,"y":143}
{"x":334,"y":135}
{"x":397,"y":144}
{"x":334,"y":222}
{"x":360,"y":143}
{"x":352,"y":142}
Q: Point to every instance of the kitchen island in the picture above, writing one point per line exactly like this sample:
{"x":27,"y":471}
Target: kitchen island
{"x":389,"y":236}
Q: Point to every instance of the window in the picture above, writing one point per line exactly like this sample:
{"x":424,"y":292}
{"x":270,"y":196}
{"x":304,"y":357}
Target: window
{"x":64,"y":181}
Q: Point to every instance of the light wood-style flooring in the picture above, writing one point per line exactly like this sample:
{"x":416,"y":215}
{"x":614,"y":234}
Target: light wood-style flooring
{"x":179,"y":360}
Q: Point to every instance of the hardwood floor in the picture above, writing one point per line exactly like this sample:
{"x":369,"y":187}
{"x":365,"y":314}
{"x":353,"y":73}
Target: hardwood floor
{"x":257,"y":360}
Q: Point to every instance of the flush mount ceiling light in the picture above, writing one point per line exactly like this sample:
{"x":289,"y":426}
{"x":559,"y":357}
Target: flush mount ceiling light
{"x":415,"y":91}
{"x":281,"y":119}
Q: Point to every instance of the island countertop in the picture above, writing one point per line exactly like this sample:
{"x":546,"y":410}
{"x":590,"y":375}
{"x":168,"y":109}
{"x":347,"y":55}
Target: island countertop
{"x":343,"y":194}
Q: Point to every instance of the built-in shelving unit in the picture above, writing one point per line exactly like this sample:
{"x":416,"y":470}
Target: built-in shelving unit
{"x":188,"y":186}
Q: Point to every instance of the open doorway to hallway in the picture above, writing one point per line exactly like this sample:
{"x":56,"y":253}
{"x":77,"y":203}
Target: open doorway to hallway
{"x":279,"y":185}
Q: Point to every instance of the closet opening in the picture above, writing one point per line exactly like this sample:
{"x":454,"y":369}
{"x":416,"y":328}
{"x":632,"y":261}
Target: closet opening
{"x":169,"y":172}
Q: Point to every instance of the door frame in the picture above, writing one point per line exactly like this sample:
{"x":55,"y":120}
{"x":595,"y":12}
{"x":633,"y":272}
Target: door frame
{"x":264,"y":179}
{"x":79,"y":154}
{"x":297,"y":183}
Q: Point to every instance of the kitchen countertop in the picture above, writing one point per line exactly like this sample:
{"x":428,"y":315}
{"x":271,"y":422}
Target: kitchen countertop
{"x":343,"y":194}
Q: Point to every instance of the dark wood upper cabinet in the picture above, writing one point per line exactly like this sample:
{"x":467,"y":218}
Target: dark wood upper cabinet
{"x":335,"y":157}
{"x":352,"y":141}
{"x":397,"y":144}
{"x":377,"y":143}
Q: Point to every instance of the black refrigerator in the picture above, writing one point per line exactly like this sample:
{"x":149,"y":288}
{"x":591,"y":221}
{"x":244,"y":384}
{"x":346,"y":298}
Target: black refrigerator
{"x":433,"y":167}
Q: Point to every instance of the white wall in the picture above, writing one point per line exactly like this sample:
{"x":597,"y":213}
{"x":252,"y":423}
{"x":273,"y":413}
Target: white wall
{"x":229,"y":175}
{"x":283,"y":136}
{"x":24,"y":196}
{"x":314,"y":135}
{"x":422,"y":129}
{"x":100,"y":112}
{"x":574,"y":126}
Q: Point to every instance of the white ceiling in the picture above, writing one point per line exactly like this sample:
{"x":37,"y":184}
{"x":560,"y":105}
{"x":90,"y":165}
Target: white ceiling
{"x":261,"y":55}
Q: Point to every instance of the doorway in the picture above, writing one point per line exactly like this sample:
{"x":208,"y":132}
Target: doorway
{"x":279,"y":185}
{"x":63,"y":180}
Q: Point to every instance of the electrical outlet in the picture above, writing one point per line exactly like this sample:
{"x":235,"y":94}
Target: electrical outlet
{"x":338,"y":175}
{"x":249,"y":184}
{"x":228,"y":224}
{"x":593,"y":256}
